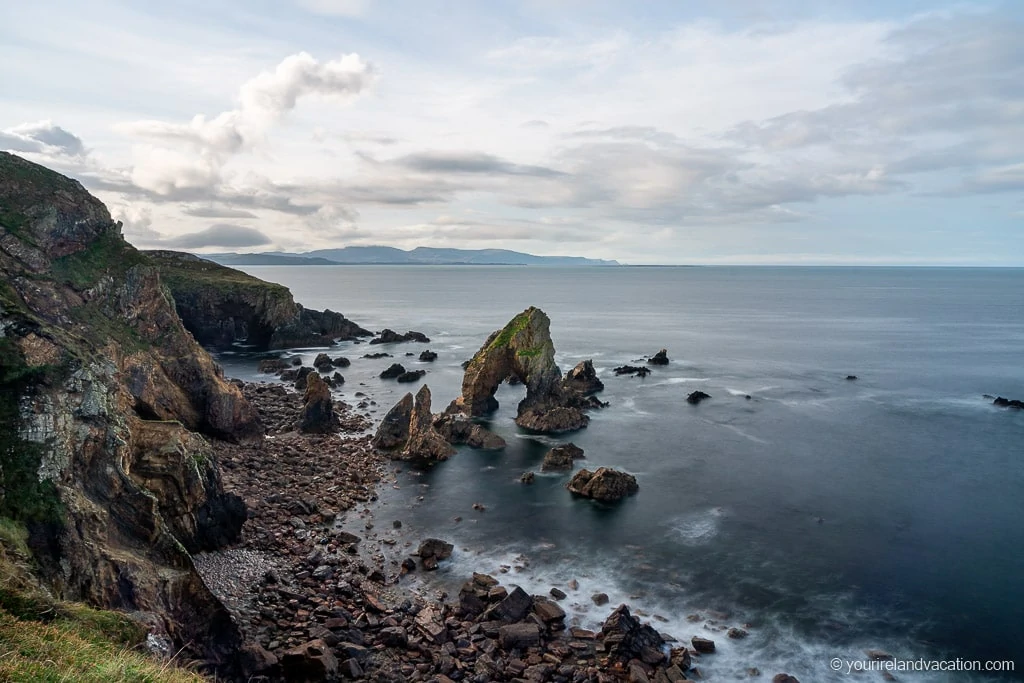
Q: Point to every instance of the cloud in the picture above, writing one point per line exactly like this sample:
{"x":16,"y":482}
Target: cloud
{"x":136,"y":224}
{"x":191,"y":155}
{"x":339,"y":8}
{"x":41,"y":137}
{"x":210,"y":211}
{"x":469,"y":162}
{"x":220,"y":235}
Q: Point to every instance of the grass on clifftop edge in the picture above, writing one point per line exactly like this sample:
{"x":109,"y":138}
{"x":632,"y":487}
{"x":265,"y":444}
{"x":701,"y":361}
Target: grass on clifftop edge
{"x":45,"y":641}
{"x":186,"y":273}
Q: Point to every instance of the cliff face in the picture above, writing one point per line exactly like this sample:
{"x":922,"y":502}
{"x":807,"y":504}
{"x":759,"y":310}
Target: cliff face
{"x":104,"y":401}
{"x":221,"y":306}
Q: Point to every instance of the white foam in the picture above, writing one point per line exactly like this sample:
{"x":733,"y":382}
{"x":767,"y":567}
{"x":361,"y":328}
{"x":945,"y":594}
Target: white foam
{"x":696,"y":528}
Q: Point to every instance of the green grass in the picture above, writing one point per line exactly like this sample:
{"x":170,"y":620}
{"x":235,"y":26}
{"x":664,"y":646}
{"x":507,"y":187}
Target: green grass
{"x":529,"y":353}
{"x":108,"y":254}
{"x":514,"y":327}
{"x":47,"y":641}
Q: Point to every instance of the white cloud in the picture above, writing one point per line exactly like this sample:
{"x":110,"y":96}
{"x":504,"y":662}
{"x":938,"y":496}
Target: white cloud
{"x":41,"y":137}
{"x":340,"y":8}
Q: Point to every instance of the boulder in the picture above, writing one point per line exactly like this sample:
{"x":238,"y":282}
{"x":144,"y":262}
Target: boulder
{"x":696,"y":397}
{"x":583,"y":379}
{"x":522,"y":349}
{"x":272,"y":366}
{"x":527,"y":477}
{"x":317,"y":416}
{"x":393,"y":372}
{"x":660,"y":358}
{"x":393,"y":431}
{"x":513,"y":608}
{"x":411,"y":376}
{"x":436,"y":548}
{"x":459,"y":429}
{"x":323,"y":363}
{"x":851,"y":378}
{"x":341,"y":362}
{"x":604,"y":484}
{"x":519,"y":636}
{"x":560,"y":458}
{"x":375,"y":356}
{"x":547,"y":610}
{"x":428,"y":356}
{"x":388,"y":336}
{"x":626,"y":638}
{"x":308,"y":663}
{"x":784,"y":678}
{"x":636,"y":370}
{"x":301,"y":375}
{"x":703,"y":645}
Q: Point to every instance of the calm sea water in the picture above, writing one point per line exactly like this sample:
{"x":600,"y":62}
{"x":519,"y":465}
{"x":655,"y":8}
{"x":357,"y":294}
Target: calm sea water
{"x":833,"y":516}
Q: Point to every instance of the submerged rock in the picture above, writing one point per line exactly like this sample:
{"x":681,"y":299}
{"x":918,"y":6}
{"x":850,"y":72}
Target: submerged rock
{"x":272,"y":366}
{"x":388,"y":336}
{"x":637,"y":370}
{"x":604,"y":484}
{"x":459,"y":429}
{"x":1008,"y":403}
{"x":660,"y":358}
{"x":411,"y":376}
{"x":375,"y":356}
{"x":522,"y":349}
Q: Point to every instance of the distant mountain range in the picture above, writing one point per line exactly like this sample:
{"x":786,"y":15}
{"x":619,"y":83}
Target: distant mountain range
{"x":419,"y":256}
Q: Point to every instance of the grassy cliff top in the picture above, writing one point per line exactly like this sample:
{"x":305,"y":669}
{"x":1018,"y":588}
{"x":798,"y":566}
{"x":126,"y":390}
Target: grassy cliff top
{"x":189,"y":273}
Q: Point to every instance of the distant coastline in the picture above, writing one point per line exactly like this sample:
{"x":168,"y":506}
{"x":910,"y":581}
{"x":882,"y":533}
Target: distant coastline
{"x":387,"y":256}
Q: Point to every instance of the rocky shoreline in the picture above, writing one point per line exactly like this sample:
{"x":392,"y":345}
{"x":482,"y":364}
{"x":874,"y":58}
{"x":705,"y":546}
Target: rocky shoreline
{"x":320,"y":595}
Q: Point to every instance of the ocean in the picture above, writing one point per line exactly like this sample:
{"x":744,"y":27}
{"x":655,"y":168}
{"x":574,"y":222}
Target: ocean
{"x":831,"y":516}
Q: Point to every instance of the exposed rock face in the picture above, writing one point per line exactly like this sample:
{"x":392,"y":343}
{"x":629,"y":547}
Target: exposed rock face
{"x":103,"y":399}
{"x":604,"y":484}
{"x":388,"y":336}
{"x":393,"y":431}
{"x":1008,"y":403}
{"x":521,"y":349}
{"x":625,"y":638}
{"x":411,"y":376}
{"x":583,"y":379}
{"x":660,"y":358}
{"x":428,"y":356}
{"x":317,"y":416}
{"x":408,"y":431}
{"x":221,"y":306}
{"x":560,"y":458}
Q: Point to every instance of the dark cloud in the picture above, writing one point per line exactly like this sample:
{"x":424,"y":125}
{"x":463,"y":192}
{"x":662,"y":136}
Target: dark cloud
{"x":42,"y":137}
{"x":469,"y":162}
{"x":220,"y":235}
{"x":210,"y":211}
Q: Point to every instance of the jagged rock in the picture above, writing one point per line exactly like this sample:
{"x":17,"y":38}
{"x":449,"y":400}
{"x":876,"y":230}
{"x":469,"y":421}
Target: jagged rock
{"x":393,"y":372}
{"x":375,"y":356}
{"x":309,"y":663}
{"x":583,"y":378}
{"x":1008,"y":403}
{"x":388,"y":336}
{"x":255,"y":661}
{"x":736,"y":633}
{"x":522,"y":349}
{"x":317,"y":416}
{"x":435,"y":547}
{"x":341,"y":362}
{"x":393,"y":431}
{"x":660,"y":358}
{"x":428,"y":356}
{"x":424,"y":441}
{"x":625,"y":638}
{"x":638,"y":370}
{"x":560,"y":458}
{"x":323,"y":363}
{"x":411,"y":376}
{"x":335,"y":380}
{"x":696,"y":397}
{"x":527,"y":477}
{"x":604,"y":484}
{"x":458,"y":429}
{"x":546,"y":610}
{"x":513,"y":608}
{"x":302,"y":377}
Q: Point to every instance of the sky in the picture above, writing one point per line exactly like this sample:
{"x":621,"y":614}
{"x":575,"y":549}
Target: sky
{"x":699,"y":132}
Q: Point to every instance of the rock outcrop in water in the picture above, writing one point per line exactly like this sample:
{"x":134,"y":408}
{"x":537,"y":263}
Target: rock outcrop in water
{"x":105,"y":400}
{"x":604,"y":484}
{"x":561,"y":458}
{"x":317,"y":416}
{"x":1008,"y":403}
{"x":222,"y":307}
{"x":388,"y":336}
{"x":408,"y":432}
{"x":583,"y":379}
{"x":660,"y":358}
{"x":522,"y":349}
